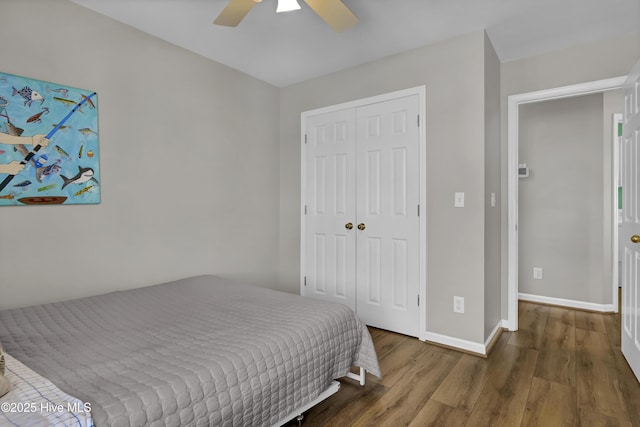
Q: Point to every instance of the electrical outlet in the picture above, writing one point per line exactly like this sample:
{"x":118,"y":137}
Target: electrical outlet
{"x":458,"y":304}
{"x":537,"y":273}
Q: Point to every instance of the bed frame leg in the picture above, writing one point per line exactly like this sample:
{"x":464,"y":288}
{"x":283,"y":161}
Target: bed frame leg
{"x":357,"y":377}
{"x":299,"y":418}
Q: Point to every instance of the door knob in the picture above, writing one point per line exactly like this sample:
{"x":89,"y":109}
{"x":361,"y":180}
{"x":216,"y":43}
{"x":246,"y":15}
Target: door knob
{"x":635,"y":238}
{"x":361,"y":226}
{"x":348,"y":226}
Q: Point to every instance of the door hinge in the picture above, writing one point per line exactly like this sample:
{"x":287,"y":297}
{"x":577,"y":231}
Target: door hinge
{"x":418,"y":210}
{"x":305,"y":209}
{"x":305,"y":280}
{"x":418,"y":300}
{"x":418,"y":120}
{"x":305,"y":138}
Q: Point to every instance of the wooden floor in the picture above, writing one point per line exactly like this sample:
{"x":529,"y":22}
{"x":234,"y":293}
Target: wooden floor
{"x":562,"y":368}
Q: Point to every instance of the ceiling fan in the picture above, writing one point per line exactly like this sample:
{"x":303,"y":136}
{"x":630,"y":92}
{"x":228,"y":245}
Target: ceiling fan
{"x":334,"y":12}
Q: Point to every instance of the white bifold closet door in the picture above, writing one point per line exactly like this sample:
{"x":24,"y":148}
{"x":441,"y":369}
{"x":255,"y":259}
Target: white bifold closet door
{"x":362,"y":219}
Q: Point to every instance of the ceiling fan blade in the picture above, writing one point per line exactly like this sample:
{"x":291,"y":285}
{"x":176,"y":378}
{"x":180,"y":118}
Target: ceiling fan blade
{"x":234,"y":12}
{"x":335,"y":13}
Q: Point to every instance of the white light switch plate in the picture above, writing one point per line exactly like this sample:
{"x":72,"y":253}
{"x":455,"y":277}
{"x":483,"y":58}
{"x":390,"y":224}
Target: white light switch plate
{"x":459,"y":200}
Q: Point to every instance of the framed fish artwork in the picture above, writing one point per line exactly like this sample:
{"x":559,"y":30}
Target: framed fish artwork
{"x":48,"y":143}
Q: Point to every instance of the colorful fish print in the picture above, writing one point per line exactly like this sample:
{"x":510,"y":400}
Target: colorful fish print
{"x":54,"y":168}
{"x":89,"y":101}
{"x":47,"y":187}
{"x":84,"y":190}
{"x":47,"y":170}
{"x":62,"y":91}
{"x":83,"y":175}
{"x":61,"y":151}
{"x":64,"y":101}
{"x":86,"y":131}
{"x":23,"y":183}
{"x":36,"y":117}
{"x":63,"y":127}
{"x":29,"y":95}
{"x":12,"y":130}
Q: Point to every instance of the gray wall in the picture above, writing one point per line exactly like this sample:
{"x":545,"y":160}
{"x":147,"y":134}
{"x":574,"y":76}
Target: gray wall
{"x":453,"y":72}
{"x":604,"y":59}
{"x":189,"y":163}
{"x":492,"y":314}
{"x":561,"y":203}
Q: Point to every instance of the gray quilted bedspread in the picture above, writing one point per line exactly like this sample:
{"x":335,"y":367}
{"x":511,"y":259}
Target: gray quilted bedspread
{"x":201,"y":351}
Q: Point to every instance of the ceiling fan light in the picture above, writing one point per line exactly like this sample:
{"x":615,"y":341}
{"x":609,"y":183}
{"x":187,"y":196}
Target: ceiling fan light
{"x":287,"y":6}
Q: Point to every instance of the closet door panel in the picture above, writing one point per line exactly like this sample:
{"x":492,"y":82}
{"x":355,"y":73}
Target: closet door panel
{"x":387,"y":183}
{"x":330,"y":205}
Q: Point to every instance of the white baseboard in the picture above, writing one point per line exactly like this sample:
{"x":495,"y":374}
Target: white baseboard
{"x":457,"y":343}
{"x":582,"y":305}
{"x":492,"y":335}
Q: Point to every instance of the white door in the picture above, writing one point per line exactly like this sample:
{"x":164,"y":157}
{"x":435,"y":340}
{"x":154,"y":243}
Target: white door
{"x":387,"y":215}
{"x":630,"y":231}
{"x":361,"y":225}
{"x":330,"y":188}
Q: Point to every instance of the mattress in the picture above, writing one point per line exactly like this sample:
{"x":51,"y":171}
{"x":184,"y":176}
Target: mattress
{"x":200,"y":351}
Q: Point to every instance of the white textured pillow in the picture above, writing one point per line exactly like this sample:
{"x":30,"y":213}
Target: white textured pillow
{"x":5,"y":385}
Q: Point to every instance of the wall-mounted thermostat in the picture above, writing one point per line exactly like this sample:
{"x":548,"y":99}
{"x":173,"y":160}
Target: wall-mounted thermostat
{"x":523,"y":170}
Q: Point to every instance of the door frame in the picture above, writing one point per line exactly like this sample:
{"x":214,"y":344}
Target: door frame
{"x":514,"y":102}
{"x":616,"y":183}
{"x":420,"y":91}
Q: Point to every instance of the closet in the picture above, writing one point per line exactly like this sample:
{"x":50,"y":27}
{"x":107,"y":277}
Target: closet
{"x":362,"y":234}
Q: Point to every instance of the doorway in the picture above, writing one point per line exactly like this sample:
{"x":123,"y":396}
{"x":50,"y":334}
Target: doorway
{"x":514,"y":103}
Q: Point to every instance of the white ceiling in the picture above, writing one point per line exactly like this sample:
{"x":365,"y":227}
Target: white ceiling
{"x":287,"y":48}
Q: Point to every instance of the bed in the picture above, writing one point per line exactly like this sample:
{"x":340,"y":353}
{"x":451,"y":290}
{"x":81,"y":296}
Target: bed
{"x":201,"y":351}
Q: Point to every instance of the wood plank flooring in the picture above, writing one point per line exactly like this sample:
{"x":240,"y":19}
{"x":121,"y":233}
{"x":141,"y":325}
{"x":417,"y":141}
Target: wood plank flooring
{"x":562,"y":368}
